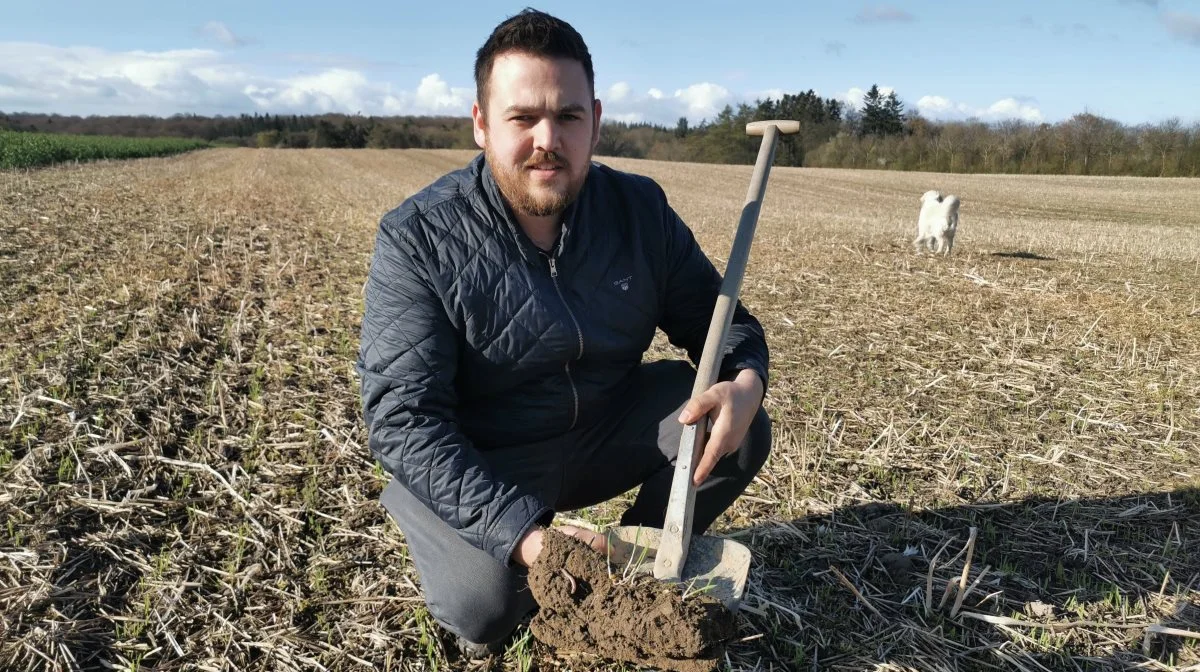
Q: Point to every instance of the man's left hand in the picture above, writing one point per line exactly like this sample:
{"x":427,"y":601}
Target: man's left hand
{"x":731,"y":406}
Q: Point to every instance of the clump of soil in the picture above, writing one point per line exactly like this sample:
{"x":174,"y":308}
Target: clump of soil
{"x":637,"y":619}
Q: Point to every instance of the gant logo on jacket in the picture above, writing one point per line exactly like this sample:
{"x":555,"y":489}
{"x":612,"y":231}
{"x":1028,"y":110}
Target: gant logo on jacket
{"x":623,"y":283}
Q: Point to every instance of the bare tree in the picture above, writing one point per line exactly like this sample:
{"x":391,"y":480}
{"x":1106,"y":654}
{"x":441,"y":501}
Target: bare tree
{"x":1163,"y":140}
{"x":1084,"y":132}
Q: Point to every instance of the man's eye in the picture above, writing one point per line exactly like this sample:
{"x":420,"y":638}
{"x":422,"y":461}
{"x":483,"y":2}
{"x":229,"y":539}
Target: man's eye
{"x":569,"y":117}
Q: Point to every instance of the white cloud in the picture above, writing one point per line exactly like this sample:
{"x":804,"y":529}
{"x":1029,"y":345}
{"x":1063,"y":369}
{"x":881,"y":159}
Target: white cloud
{"x":86,"y":80}
{"x":618,"y":92}
{"x":773,"y":94}
{"x":854,"y":96}
{"x":626,"y":117}
{"x":696,"y":102}
{"x":1011,"y":108}
{"x":704,"y":98}
{"x":935,"y":105}
{"x":435,"y":94}
{"x":944,"y":109}
{"x":221,"y":33}
{"x":333,"y":90}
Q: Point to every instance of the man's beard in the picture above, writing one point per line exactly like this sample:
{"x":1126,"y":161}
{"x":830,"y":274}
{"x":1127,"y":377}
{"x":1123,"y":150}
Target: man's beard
{"x":516,"y":185}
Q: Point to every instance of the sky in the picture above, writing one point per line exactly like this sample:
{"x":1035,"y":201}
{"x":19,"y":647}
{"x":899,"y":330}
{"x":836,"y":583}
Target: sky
{"x":1136,"y":61}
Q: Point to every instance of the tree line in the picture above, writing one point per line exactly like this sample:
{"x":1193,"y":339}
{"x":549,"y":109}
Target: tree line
{"x":880,"y":134}
{"x":722,"y":140}
{"x":264,"y":130}
{"x":1084,"y":144}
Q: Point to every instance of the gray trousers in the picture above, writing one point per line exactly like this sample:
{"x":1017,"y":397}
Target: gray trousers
{"x":475,"y":597}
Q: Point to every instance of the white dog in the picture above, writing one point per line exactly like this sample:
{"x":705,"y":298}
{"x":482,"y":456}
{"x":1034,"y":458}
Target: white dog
{"x":938,"y":222}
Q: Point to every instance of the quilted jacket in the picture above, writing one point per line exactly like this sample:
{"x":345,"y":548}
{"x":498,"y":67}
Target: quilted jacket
{"x":474,"y":339}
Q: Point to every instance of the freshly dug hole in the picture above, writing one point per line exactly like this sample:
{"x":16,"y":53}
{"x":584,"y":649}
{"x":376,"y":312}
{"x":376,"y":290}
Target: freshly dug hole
{"x":639,"y":620}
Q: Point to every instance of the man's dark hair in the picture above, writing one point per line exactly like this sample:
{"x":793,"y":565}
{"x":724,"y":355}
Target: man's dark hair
{"x":535,"y":33}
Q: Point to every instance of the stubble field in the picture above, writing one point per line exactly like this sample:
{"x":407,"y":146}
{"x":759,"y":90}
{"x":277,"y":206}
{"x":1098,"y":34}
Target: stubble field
{"x":185,"y":485}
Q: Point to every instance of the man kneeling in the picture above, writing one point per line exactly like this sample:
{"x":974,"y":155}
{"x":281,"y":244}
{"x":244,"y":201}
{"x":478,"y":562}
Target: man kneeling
{"x":508,"y":308}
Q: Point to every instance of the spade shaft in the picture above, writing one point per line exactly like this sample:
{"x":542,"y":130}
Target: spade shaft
{"x":677,"y":526}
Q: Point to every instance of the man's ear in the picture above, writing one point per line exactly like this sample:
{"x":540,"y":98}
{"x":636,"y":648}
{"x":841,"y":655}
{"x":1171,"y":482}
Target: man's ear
{"x":596,"y":109}
{"x":479,"y":125}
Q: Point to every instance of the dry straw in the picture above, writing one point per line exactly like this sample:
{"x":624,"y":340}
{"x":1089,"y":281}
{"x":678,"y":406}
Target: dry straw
{"x":982,"y":462}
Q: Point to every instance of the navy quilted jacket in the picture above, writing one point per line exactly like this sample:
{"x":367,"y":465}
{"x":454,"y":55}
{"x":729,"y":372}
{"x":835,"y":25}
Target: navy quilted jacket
{"x":473,"y":338}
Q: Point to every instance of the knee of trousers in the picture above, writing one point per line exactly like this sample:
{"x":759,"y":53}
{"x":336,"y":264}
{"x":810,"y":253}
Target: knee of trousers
{"x":757,"y":444}
{"x":482,"y":609}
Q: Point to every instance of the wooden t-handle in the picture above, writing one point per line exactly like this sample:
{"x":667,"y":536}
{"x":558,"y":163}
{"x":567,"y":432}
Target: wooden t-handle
{"x":785,"y":126}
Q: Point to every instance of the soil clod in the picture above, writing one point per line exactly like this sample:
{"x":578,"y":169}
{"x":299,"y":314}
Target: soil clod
{"x":637,"y":619}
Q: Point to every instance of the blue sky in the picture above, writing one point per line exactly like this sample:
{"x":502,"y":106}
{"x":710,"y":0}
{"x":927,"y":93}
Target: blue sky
{"x":1136,"y":61}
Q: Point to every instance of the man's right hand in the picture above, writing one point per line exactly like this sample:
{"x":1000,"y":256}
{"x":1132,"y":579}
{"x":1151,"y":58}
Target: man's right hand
{"x":530,"y":546}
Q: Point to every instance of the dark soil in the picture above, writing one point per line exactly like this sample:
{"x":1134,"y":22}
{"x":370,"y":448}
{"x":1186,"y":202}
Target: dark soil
{"x":637,"y":619}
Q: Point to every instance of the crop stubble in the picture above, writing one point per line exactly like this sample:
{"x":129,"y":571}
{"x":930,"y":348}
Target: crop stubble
{"x":184,"y":480}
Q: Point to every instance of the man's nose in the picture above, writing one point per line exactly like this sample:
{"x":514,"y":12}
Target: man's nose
{"x":546,"y":135}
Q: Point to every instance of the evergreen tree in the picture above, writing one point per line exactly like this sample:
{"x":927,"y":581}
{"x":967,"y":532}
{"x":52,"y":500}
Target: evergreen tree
{"x":681,"y":128}
{"x":881,"y":115}
{"x":872,"y":112}
{"x":893,"y":115}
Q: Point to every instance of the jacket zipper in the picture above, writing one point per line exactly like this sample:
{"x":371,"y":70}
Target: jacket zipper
{"x":578,"y":332}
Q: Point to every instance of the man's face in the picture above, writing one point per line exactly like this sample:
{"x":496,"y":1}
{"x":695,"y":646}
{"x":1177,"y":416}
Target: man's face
{"x":538,"y":129}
